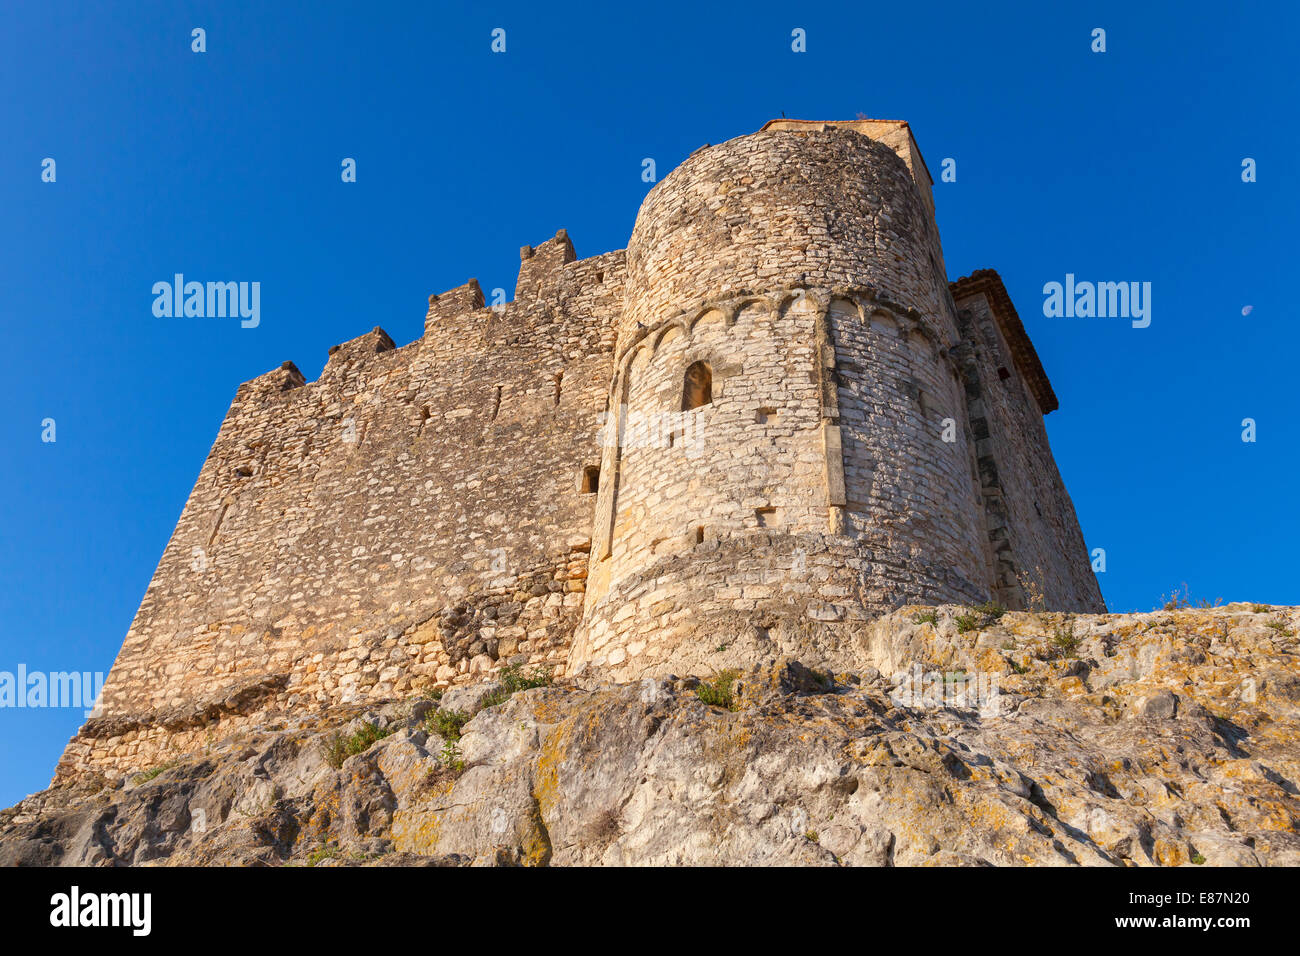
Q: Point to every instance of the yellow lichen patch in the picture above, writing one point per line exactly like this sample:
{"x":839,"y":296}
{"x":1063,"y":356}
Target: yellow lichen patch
{"x":1171,"y":852}
{"x":416,"y":831}
{"x":536,"y":844}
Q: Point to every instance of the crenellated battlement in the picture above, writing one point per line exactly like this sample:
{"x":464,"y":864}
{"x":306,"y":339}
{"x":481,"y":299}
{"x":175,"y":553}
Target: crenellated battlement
{"x":456,"y":302}
{"x":766,"y":422}
{"x":540,"y":266}
{"x":561,"y":302}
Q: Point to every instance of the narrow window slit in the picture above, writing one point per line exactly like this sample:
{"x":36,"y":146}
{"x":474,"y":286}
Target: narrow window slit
{"x":221,"y":516}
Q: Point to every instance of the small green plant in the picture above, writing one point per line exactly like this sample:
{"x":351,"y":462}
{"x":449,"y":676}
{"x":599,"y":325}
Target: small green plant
{"x":811,"y":836}
{"x":1260,"y":608}
{"x":513,"y":679}
{"x":926,"y":617}
{"x":446,"y":724}
{"x":1198,"y":859}
{"x":451,"y":757}
{"x":339,"y":747}
{"x":1018,"y":668}
{"x":825,"y":681}
{"x":1064,"y":640}
{"x":980,"y":616}
{"x":336,"y":750}
{"x":144,"y":776}
{"x":719,"y":692}
{"x":326,"y":851}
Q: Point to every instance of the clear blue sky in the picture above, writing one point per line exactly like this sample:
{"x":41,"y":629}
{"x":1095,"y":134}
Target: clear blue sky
{"x":225,"y":165}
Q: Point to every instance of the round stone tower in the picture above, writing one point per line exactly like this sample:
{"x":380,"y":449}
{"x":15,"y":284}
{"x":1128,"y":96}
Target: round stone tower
{"x":786,"y":438}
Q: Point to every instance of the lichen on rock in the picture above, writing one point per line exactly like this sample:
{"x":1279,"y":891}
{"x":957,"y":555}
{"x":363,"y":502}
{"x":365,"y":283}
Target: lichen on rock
{"x":1166,"y":738}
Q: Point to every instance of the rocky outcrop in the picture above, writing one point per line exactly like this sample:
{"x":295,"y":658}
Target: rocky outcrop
{"x":961,"y":737}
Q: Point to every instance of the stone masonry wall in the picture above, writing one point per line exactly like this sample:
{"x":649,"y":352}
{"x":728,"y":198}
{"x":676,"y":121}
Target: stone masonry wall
{"x":803,"y":266}
{"x":413,"y":517}
{"x":769,"y":415}
{"x":1031,"y":523}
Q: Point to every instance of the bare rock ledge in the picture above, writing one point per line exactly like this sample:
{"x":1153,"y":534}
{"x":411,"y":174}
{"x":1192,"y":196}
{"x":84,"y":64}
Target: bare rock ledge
{"x":1158,"y":739}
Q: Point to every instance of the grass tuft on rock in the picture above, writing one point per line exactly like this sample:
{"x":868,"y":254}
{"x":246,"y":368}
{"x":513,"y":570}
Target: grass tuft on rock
{"x":721,"y":691}
{"x":513,"y":679}
{"x":447,"y":724}
{"x":339,"y":747}
{"x":144,"y":776}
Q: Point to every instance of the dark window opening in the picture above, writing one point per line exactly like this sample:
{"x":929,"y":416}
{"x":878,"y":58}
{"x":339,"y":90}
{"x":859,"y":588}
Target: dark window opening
{"x":698,"y":387}
{"x":1003,"y":373}
{"x":766,"y":416}
{"x":590,"y":479}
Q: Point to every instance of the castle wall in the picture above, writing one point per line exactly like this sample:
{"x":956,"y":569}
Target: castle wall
{"x":526,"y":484}
{"x":910,"y":499}
{"x":1032,"y":526}
{"x":781,"y":210}
{"x":804,"y":267}
{"x":414,"y":517}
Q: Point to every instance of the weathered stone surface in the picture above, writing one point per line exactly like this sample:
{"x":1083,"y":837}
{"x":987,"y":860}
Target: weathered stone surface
{"x":1138,"y":739}
{"x":769,"y":420}
{"x":468,"y":698}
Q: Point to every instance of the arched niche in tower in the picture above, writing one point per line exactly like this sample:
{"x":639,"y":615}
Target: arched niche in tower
{"x":697,"y":386}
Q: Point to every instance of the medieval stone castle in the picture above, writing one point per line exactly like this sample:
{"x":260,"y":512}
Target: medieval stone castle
{"x":767,"y":421}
